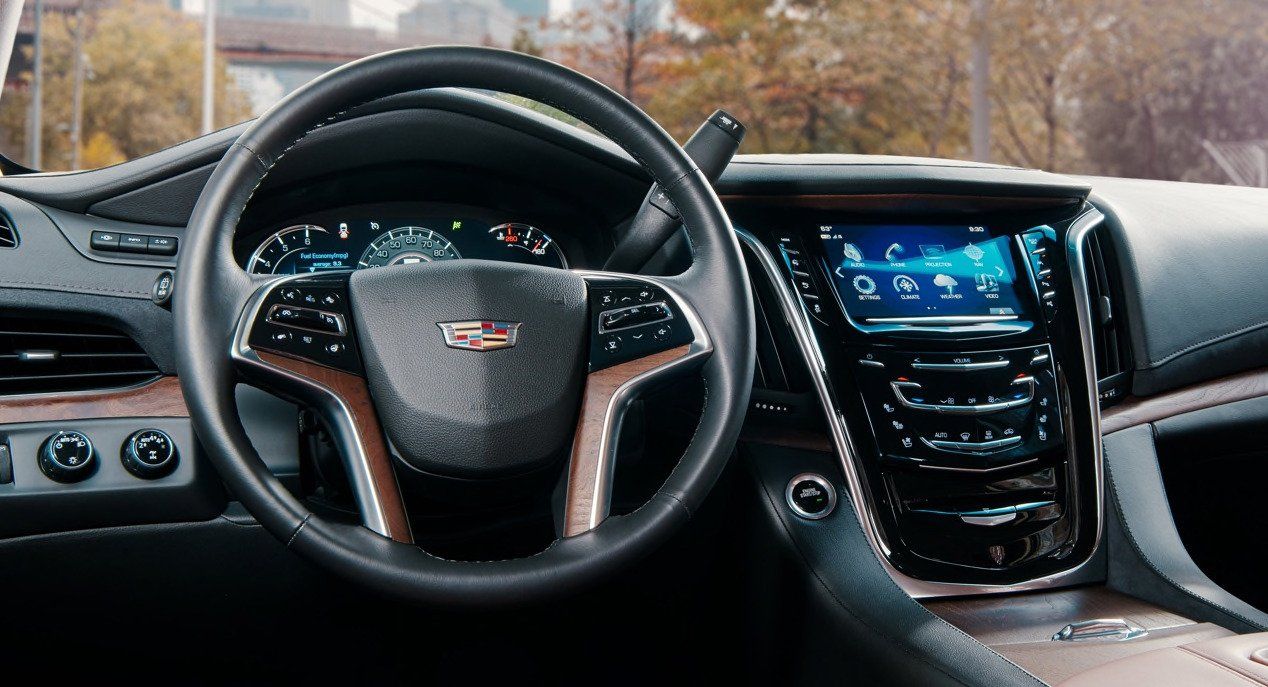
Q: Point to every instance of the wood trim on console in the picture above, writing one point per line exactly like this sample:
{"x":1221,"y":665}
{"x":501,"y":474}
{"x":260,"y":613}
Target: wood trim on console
{"x":1020,"y":626}
{"x":356,"y":395}
{"x":1135,"y":411}
{"x":159,"y":398}
{"x":587,"y":444}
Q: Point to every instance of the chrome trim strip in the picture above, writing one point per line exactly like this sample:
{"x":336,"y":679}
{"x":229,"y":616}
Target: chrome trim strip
{"x":962,"y":367}
{"x":979,"y":409}
{"x":970,"y":446}
{"x":860,"y":496}
{"x":605,"y":330}
{"x":943,"y":319}
{"x":334,"y":410}
{"x":625,"y":395}
{"x":997,"y":468}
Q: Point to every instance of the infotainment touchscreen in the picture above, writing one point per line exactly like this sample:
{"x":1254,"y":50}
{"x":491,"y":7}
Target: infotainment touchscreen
{"x":893,"y":273}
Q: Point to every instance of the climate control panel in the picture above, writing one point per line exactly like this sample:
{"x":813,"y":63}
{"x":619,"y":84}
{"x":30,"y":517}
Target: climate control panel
{"x":967,"y":412}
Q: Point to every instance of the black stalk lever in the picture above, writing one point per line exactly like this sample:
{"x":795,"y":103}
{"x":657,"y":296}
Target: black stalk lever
{"x":711,"y":148}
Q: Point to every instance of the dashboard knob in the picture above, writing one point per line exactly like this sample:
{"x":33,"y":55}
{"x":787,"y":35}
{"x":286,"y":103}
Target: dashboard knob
{"x":149,"y":454}
{"x":68,"y":457}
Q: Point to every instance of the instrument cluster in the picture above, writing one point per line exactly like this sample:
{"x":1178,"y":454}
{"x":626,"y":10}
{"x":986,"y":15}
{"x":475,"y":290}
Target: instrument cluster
{"x":369,"y":236}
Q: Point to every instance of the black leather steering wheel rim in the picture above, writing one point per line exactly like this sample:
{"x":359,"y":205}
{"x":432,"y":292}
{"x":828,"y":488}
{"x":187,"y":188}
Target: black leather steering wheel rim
{"x":212,"y":289}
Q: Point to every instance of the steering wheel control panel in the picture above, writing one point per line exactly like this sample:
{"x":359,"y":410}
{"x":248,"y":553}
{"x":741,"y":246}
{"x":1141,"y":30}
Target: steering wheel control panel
{"x":630,"y":320}
{"x":309,"y":319}
{"x":964,"y":412}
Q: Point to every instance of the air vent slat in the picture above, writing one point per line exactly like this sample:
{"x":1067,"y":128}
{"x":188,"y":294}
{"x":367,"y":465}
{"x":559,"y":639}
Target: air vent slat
{"x":42,"y":355}
{"x":8,"y":232}
{"x":1109,"y":336}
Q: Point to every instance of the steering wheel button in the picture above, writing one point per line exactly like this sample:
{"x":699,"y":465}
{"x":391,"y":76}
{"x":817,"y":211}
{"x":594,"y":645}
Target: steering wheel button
{"x":663,"y":332}
{"x":612,"y":345}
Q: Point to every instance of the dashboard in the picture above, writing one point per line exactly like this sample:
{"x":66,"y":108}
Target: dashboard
{"x":377,"y":235}
{"x":948,"y":278}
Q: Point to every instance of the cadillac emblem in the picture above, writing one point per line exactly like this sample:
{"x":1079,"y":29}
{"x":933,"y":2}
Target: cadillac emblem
{"x":480,"y":335}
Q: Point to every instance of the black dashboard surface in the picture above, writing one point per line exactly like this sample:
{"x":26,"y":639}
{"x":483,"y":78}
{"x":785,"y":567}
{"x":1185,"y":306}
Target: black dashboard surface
{"x":1192,"y":258}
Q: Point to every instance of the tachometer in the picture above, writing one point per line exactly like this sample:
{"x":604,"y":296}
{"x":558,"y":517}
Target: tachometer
{"x":538,"y":248}
{"x":404,"y":245}
{"x":298,"y":248}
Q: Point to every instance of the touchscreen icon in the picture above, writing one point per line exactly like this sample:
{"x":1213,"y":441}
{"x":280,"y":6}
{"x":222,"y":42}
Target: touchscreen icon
{"x":973,"y":253}
{"x":933,"y":250}
{"x":905,"y":284}
{"x":947,"y":281}
{"x":864,"y":284}
{"x":986,"y":283}
{"x":853,"y":253}
{"x":895,"y":252}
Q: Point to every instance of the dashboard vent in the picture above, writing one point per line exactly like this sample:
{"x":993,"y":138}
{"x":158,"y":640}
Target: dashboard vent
{"x":8,"y":233}
{"x":46,"y":355}
{"x":1109,"y":331}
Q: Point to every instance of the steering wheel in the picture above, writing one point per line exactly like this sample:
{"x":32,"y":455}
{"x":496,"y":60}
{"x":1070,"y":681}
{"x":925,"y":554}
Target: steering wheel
{"x":466,"y":368}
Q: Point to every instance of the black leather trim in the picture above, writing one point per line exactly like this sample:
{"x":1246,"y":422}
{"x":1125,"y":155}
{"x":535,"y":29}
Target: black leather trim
{"x":858,"y":174}
{"x":213,"y":289}
{"x":1147,"y":557}
{"x":1192,"y":258}
{"x":880,"y":631}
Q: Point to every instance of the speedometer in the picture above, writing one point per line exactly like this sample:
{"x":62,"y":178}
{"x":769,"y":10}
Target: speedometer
{"x":404,"y":245}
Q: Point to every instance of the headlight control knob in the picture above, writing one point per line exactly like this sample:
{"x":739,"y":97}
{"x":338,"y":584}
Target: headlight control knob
{"x":149,"y":454}
{"x":68,"y":457}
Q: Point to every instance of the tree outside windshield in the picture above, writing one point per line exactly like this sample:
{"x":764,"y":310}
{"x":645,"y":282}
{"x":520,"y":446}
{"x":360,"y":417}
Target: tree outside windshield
{"x":1165,"y":89}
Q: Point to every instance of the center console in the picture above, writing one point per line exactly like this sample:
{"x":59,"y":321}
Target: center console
{"x":951,"y":351}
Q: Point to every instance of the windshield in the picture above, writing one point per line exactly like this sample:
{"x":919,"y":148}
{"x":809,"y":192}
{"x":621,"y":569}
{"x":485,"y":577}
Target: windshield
{"x":1165,"y":89}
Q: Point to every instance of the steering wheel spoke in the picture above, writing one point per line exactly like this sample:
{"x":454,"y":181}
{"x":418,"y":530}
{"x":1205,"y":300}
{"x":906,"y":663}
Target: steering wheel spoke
{"x":295,"y":338}
{"x":643,"y":332}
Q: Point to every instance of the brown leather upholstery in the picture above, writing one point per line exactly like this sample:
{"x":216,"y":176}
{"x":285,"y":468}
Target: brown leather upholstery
{"x":1238,"y":661}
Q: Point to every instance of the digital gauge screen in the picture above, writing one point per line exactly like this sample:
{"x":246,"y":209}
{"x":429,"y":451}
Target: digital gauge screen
{"x":343,"y":240}
{"x":908,"y":273}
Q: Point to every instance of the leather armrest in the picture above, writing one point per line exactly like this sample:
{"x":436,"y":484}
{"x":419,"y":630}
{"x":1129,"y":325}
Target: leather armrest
{"x":1236,"y":661}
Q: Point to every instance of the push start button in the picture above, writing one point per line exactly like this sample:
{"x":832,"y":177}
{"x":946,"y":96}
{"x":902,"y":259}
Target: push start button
{"x":811,"y":496}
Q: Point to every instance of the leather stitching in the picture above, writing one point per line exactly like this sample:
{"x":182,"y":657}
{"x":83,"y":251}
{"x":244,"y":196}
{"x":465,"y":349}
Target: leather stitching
{"x":1212,"y":340}
{"x":75,"y":287}
{"x":1149,"y":563}
{"x":845,"y":607}
{"x":297,"y":530}
{"x":1224,"y":666}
